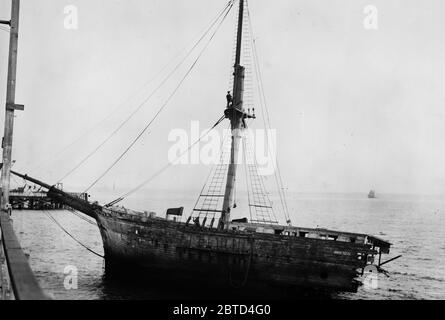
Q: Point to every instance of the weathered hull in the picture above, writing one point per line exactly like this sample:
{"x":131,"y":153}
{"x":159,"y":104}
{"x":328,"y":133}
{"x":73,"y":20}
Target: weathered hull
{"x":245,"y":256}
{"x":179,"y":252}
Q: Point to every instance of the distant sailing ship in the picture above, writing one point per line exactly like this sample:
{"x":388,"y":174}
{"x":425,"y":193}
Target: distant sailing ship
{"x":210,"y":246}
{"x":371,"y":194}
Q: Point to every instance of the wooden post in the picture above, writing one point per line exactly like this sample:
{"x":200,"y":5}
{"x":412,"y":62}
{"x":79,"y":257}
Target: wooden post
{"x":10,"y":104}
{"x":23,"y":282}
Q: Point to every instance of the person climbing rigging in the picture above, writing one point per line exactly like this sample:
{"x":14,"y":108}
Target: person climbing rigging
{"x":229,"y":99}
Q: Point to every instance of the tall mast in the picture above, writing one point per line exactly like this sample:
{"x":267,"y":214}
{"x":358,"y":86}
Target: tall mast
{"x":234,"y":112}
{"x":239,"y":35}
{"x":10,"y":102}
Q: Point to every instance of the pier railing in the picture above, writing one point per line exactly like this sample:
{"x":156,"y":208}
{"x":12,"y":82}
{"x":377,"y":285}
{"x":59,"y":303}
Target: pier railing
{"x":17,"y":281}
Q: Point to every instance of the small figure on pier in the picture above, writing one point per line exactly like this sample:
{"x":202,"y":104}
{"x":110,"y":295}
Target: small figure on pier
{"x":229,"y":99}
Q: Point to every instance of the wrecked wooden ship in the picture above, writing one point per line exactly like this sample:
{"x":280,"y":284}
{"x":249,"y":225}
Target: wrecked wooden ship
{"x":212,"y":246}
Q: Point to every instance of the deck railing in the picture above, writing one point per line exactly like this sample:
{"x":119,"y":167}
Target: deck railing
{"x":17,"y":279}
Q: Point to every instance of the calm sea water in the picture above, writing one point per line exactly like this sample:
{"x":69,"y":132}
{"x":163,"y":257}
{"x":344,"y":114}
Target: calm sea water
{"x":414,"y":224}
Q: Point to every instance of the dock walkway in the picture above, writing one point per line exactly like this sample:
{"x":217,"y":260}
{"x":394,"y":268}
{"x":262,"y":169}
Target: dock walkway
{"x":17,"y":281}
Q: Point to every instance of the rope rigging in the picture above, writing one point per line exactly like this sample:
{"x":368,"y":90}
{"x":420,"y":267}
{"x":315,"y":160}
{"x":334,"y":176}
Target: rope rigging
{"x":210,"y":196}
{"x":168,"y":76}
{"x":71,"y":236}
{"x":120,"y":106}
{"x":247,"y":179}
{"x":95,"y":126}
{"x":76,"y":213}
{"x":166,"y":166}
{"x":259,"y":204}
{"x":165,"y":103}
{"x":267,"y":122}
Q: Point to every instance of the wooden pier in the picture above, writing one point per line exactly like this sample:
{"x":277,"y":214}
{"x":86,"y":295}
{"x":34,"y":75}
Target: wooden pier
{"x":37,"y":200}
{"x":17,"y":281}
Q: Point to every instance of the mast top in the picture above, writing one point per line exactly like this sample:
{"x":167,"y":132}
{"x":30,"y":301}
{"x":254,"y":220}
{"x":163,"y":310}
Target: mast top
{"x":239,"y":36}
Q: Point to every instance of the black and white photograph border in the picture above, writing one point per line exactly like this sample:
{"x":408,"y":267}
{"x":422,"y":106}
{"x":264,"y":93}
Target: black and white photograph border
{"x":196,"y":150}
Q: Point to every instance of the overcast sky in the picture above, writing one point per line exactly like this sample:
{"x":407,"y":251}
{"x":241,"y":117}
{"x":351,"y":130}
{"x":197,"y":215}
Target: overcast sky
{"x":354,"y":109}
